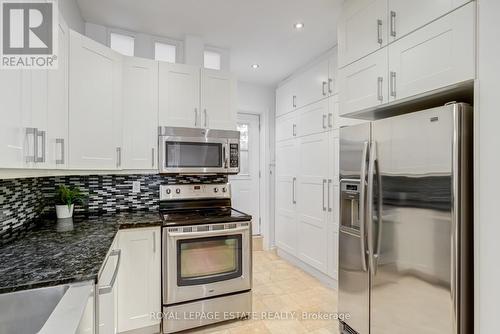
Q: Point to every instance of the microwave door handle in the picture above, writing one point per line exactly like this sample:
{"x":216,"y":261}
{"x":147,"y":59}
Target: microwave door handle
{"x":224,"y":154}
{"x":207,"y":233}
{"x":362,"y":213}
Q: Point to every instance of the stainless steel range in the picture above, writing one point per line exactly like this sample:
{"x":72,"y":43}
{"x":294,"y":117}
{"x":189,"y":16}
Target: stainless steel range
{"x":207,"y":256}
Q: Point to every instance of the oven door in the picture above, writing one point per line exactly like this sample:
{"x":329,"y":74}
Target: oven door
{"x":193,"y":155}
{"x":205,"y":261}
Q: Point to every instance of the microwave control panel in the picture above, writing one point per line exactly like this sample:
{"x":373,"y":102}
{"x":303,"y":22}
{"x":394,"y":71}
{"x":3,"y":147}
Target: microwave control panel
{"x":234,"y":156}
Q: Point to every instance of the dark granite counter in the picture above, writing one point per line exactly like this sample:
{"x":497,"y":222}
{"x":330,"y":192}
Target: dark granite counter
{"x":63,"y":252}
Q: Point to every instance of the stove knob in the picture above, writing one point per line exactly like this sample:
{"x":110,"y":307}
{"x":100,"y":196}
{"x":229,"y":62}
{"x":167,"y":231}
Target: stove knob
{"x":178,"y":191}
{"x":224,"y":190}
{"x":169,"y":191}
{"x":216,"y":190}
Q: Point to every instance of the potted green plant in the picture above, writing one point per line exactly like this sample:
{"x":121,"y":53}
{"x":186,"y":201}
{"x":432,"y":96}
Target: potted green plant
{"x":66,"y":198}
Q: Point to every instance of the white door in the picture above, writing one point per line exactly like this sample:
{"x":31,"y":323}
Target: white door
{"x":286,"y":126}
{"x":140,"y":113}
{"x":218,"y":100}
{"x":362,"y":29}
{"x":179,"y":95}
{"x":437,"y":55}
{"x":139,"y":278}
{"x":95,"y":105}
{"x":312,"y":199}
{"x":313,"y":84}
{"x":364,"y":83}
{"x":314,"y":118}
{"x":245,"y":186}
{"x":286,"y":195}
{"x":58,"y":104}
{"x":408,"y":15}
{"x":286,"y":98}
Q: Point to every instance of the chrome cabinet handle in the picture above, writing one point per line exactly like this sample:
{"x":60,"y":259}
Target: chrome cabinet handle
{"x":60,"y":141}
{"x":380,"y":81}
{"x":379,"y":31}
{"x":328,"y":191}
{"x":393,"y":23}
{"x":294,"y":199}
{"x":393,"y":84}
{"x":206,"y":116}
{"x":324,"y":205}
{"x":330,"y":120}
{"x":324,"y":121}
{"x":109,"y":287}
{"x":153,"y":157}
{"x":32,"y":132}
{"x":330,"y":84}
{"x":40,"y":135}
{"x":294,"y":101}
{"x":118,"y":157}
{"x":362,"y":213}
{"x":323,"y":89}
{"x":196,"y":117}
{"x":294,"y":130}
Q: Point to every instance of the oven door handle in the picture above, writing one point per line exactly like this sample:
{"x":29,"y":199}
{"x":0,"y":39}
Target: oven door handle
{"x":208,"y":233}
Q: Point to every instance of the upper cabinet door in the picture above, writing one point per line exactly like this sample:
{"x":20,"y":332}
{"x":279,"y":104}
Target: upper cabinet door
{"x":435,"y":56}
{"x":313,"y":84}
{"x":408,"y":15}
{"x":140,"y":113}
{"x":12,"y":133}
{"x":363,"y":84}
{"x":179,"y":95}
{"x":362,"y":29}
{"x":218,"y":100}
{"x":58,"y":104}
{"x":286,"y":98}
{"x":95,"y":105}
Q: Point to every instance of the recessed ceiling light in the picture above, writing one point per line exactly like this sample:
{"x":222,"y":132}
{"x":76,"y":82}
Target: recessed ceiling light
{"x":255,"y":66}
{"x":298,"y":25}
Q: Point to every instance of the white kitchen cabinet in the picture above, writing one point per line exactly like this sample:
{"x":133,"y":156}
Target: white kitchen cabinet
{"x":364,"y":83}
{"x":286,"y":192}
{"x":140,"y":113}
{"x":57,"y":100}
{"x":313,"y":83}
{"x":437,"y":55}
{"x":406,"y":16}
{"x":362,"y":29}
{"x":312,"y":201}
{"x":86,"y":325}
{"x":286,"y":126}
{"x":286,"y":97}
{"x":314,"y":118}
{"x":139,"y":278}
{"x":218,"y":100}
{"x":12,"y":132}
{"x":95,"y":127}
{"x":107,"y":291}
{"x":179,"y":95}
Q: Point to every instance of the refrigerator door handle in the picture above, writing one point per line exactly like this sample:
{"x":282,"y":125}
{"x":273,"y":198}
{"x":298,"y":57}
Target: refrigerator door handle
{"x":362,"y":213}
{"x":369,"y":205}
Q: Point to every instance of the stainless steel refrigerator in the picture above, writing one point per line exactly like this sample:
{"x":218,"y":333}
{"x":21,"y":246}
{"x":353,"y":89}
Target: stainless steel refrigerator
{"x":405,"y":239}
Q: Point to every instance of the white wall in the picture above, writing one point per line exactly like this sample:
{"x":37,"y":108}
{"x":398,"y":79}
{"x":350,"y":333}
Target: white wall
{"x":261,"y":99}
{"x":71,"y":13}
{"x":487,"y":183}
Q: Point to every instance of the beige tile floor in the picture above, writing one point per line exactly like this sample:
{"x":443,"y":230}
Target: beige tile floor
{"x":280,"y":287}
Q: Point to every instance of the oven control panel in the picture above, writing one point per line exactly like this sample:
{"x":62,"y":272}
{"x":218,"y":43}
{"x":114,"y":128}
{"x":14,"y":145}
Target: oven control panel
{"x":192,"y":191}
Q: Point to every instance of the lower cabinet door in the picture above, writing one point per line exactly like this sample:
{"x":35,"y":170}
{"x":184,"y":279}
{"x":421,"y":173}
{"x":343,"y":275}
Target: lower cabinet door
{"x":86,"y":325}
{"x":139,"y":278}
{"x":312,"y":201}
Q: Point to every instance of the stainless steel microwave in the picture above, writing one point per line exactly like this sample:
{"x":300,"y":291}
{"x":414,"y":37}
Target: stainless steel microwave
{"x":198,"y":151}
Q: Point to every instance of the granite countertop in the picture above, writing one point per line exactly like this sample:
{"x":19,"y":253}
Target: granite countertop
{"x":62,"y":252}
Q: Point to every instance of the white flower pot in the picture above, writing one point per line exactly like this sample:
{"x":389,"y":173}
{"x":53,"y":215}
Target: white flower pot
{"x":64,"y":211}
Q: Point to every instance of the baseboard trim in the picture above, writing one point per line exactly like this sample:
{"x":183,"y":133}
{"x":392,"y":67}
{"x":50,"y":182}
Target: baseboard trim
{"x":325,"y":279}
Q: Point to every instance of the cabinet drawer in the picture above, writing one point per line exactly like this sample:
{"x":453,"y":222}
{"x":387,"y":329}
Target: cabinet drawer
{"x":437,"y":55}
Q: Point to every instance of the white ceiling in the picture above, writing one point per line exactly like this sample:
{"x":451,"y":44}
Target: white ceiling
{"x":255,"y":31}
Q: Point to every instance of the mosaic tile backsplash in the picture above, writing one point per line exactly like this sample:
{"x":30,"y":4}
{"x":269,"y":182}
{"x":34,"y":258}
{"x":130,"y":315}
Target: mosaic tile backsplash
{"x":22,"y":201}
